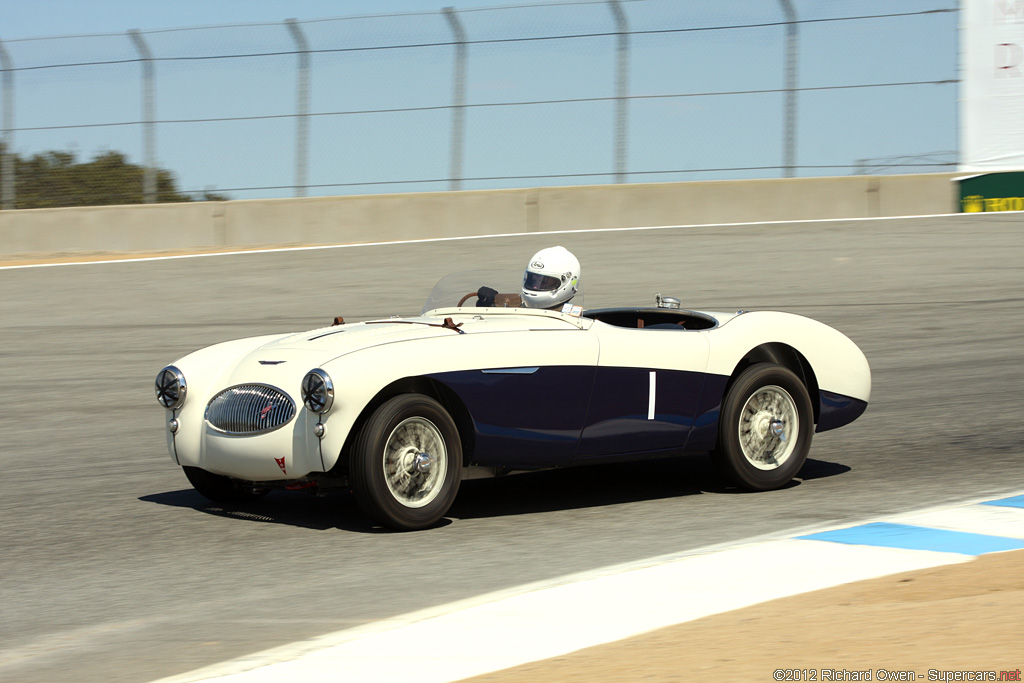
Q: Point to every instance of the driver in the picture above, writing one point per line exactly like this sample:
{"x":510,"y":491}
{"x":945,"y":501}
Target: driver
{"x":551,"y":279}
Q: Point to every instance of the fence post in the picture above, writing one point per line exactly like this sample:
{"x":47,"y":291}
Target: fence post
{"x":148,"y":118}
{"x":458,"y":98}
{"x":7,"y":168}
{"x":301,"y":108}
{"x":789,"y":136}
{"x":621,"y":90}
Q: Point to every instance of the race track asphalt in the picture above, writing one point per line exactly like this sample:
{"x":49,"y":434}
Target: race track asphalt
{"x":113,"y":569}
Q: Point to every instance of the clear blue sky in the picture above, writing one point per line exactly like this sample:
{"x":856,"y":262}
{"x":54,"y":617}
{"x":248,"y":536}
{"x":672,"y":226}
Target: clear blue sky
{"x":351,"y":151}
{"x":32,"y":18}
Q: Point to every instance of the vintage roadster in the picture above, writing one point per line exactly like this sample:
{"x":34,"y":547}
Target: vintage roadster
{"x":400,"y":410}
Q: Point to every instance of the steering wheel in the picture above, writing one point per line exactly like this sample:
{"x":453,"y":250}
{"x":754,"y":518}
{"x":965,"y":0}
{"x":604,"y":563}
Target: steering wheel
{"x":465,"y":298}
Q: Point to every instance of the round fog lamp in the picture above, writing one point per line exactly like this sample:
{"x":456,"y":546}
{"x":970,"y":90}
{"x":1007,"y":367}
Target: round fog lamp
{"x":317,"y":391}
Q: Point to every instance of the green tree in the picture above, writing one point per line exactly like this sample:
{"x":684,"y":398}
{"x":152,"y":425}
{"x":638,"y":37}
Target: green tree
{"x":54,"y":179}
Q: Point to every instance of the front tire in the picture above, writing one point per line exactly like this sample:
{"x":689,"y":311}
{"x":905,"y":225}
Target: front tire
{"x":406,"y":463}
{"x":765,"y":428}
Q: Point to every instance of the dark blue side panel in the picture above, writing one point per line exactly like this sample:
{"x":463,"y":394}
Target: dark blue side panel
{"x":524,"y":419}
{"x":838,"y":410}
{"x":704,"y":435}
{"x":619,"y":421}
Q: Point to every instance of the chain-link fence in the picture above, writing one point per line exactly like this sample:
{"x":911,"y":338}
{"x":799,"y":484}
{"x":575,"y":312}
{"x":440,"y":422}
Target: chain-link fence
{"x":553,"y":93}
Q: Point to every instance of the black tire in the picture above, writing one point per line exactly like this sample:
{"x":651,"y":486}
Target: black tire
{"x":392,"y":481}
{"x":759,"y":446}
{"x":220,"y":489}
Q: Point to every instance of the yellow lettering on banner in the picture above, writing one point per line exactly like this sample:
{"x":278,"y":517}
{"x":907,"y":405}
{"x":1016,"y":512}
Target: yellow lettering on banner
{"x":974,"y":203}
{"x":1009,"y":204}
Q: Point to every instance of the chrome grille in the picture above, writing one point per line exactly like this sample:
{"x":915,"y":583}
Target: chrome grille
{"x":250,"y":409}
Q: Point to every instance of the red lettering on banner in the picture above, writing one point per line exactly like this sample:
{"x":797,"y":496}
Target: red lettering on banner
{"x":1008,"y":57}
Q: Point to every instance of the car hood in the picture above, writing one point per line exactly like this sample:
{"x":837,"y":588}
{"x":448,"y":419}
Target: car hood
{"x":330,"y":342}
{"x":282,"y":360}
{"x":325,"y":344}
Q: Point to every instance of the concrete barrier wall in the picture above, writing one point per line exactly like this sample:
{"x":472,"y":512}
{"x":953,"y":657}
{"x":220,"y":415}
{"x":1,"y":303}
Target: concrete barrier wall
{"x":375,"y":218}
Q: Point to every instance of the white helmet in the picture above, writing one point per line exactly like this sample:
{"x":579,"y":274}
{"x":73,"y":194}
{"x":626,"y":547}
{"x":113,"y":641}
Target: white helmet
{"x":552,"y":278}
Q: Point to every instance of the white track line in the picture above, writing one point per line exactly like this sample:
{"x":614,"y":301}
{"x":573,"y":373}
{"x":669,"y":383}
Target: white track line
{"x":555,"y":621}
{"x":277,"y":250}
{"x":978,"y":519}
{"x":539,"y":621}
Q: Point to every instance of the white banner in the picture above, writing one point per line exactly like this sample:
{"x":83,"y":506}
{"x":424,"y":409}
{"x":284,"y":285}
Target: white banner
{"x":992,"y":85}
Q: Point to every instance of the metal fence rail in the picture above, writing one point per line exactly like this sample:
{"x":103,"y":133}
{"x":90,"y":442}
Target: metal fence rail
{"x":549,"y":93}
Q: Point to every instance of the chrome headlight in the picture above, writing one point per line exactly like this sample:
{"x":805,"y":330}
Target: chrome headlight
{"x":317,"y":391}
{"x":170,"y":387}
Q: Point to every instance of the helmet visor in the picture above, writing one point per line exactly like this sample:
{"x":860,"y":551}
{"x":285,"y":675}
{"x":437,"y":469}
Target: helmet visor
{"x":536,"y":282}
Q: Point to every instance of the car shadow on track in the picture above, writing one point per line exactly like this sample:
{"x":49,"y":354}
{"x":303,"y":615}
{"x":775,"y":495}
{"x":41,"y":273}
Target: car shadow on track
{"x":590,"y":486}
{"x":519,"y":494}
{"x":336,"y":510}
{"x":819,"y":469}
{"x":603,"y":485}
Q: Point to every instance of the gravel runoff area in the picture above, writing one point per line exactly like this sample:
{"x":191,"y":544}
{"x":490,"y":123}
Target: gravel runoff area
{"x":962,"y":622}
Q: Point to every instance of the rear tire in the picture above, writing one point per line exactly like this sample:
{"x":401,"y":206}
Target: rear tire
{"x":220,"y":489}
{"x":406,"y":463}
{"x":765,"y":428}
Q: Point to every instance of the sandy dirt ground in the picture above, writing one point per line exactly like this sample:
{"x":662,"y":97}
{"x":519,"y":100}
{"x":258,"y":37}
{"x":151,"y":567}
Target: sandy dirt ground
{"x":933,"y":623}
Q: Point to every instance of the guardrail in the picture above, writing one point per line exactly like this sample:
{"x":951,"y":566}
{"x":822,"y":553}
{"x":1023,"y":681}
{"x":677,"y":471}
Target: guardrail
{"x":377,"y":218}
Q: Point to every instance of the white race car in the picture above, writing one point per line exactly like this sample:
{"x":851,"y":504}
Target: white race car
{"x":400,"y":410}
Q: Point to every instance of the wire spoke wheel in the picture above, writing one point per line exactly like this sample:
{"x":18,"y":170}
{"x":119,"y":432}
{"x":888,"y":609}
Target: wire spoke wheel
{"x":415,"y":461}
{"x":765,"y":428}
{"x":406,"y":463}
{"x":768,"y":425}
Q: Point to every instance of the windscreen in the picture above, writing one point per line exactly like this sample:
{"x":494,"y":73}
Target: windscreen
{"x":470,"y":285}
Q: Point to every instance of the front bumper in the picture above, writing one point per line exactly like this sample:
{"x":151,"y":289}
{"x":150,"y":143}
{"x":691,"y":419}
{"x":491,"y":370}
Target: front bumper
{"x":291,"y":452}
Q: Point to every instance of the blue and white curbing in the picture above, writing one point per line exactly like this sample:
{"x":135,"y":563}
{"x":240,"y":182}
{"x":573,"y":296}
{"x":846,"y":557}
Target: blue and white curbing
{"x":530,"y":623}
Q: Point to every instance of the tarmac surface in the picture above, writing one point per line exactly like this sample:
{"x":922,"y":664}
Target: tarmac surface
{"x":115,"y":570}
